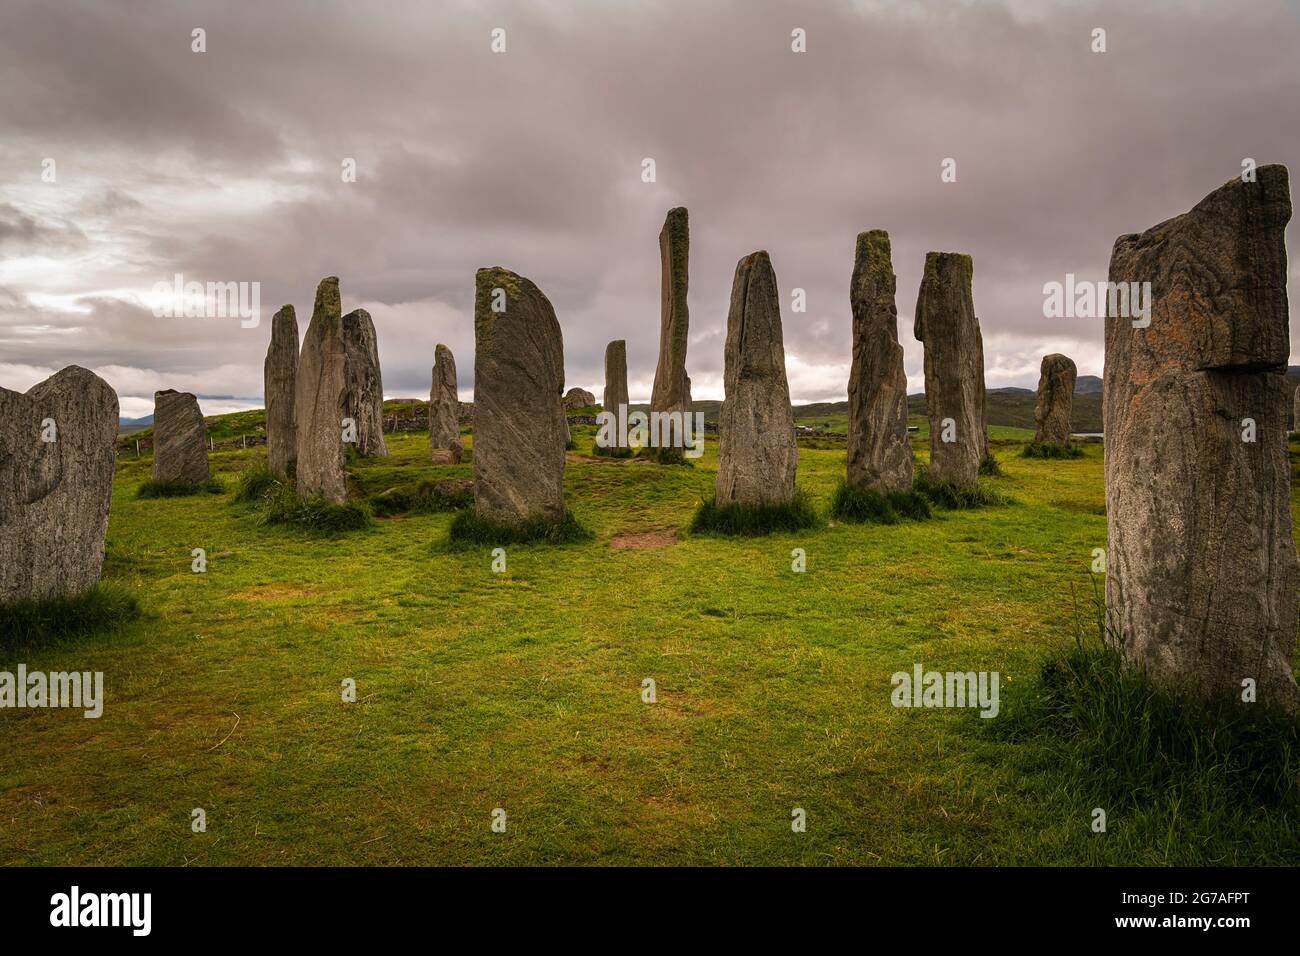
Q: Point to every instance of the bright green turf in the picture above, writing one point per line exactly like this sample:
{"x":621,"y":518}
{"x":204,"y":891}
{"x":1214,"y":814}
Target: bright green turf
{"x":523,"y":690}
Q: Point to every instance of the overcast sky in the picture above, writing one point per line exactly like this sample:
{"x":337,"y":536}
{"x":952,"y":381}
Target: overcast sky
{"x":226,"y":166}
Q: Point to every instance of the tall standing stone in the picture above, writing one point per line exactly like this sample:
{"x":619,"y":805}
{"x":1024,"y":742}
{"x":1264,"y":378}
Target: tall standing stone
{"x":363,"y":398}
{"x":318,"y":404}
{"x":954,"y":369}
{"x":615,"y":395}
{"x":879,"y":456}
{"x":444,"y":405}
{"x":1201,"y":566}
{"x":1295,"y":411}
{"x":180,"y":441}
{"x":519,"y":423}
{"x":56,"y":480}
{"x":280,"y":382}
{"x":757,"y":453}
{"x":671,"y":392}
{"x":1055,"y":402}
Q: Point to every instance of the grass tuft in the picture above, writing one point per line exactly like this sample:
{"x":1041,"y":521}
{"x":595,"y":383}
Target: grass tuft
{"x":945,"y":494}
{"x":1050,"y":450}
{"x":732,"y":518}
{"x":1166,"y":766}
{"x":990,"y":468}
{"x":610,"y":452}
{"x":316,"y":514}
{"x":101,"y":609}
{"x":254,"y":483}
{"x":178,"y":489}
{"x":424,"y":498}
{"x":470,"y":529}
{"x":868,"y":506}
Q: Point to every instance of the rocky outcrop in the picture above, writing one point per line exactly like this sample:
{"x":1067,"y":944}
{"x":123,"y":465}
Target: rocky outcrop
{"x":1201,"y":566}
{"x":576,"y":398}
{"x":879,"y":456}
{"x":757,"y":453}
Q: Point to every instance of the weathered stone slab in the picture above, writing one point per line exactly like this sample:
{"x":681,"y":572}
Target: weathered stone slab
{"x":954,"y":369}
{"x":363,"y":396}
{"x":757,"y":453}
{"x":180,"y":439}
{"x":671,"y":391}
{"x":576,"y":398}
{"x":519,"y":424}
{"x":1201,"y":565}
{"x":280,"y":384}
{"x":318,"y":405}
{"x":1055,"y":402}
{"x":54,"y":494}
{"x":444,"y":428}
{"x":879,"y":456}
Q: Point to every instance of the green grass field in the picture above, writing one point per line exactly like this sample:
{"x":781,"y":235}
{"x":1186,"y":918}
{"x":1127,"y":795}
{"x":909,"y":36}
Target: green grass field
{"x":523,"y":690}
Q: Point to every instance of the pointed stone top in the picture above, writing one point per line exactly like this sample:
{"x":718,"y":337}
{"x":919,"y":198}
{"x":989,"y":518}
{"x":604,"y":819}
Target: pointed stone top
{"x":327,"y":298}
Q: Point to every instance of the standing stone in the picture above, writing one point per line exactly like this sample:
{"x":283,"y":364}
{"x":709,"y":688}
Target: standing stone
{"x":363,"y":397}
{"x":444,"y":428}
{"x":180,"y":442}
{"x":1055,"y":402}
{"x":576,"y":398}
{"x":1201,"y":567}
{"x":671,"y":392}
{"x":757,"y":452}
{"x":280,"y":382}
{"x":615,"y":396}
{"x":879,"y":456}
{"x":954,"y":369}
{"x":615,"y":393}
{"x":519,"y":425}
{"x":318,"y":404}
{"x":1295,"y":411}
{"x":54,"y":495}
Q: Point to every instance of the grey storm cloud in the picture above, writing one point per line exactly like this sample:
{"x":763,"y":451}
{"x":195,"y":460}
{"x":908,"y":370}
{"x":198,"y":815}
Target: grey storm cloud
{"x":225,"y":166}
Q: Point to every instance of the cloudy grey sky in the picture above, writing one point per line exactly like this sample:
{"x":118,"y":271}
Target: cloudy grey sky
{"x":225,"y":166}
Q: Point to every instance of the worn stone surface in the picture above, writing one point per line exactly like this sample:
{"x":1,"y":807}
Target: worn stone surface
{"x":576,"y":398}
{"x":1201,"y":565}
{"x":180,"y":439}
{"x":1055,"y":402}
{"x":945,"y":323}
{"x":1295,"y":412}
{"x":318,"y":405}
{"x":280,"y":383}
{"x":54,"y":495}
{"x":615,"y":393}
{"x":519,"y":424}
{"x":671,"y":392}
{"x":444,"y":409}
{"x":879,"y":456}
{"x":363,"y":395}
{"x":757,"y":453}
